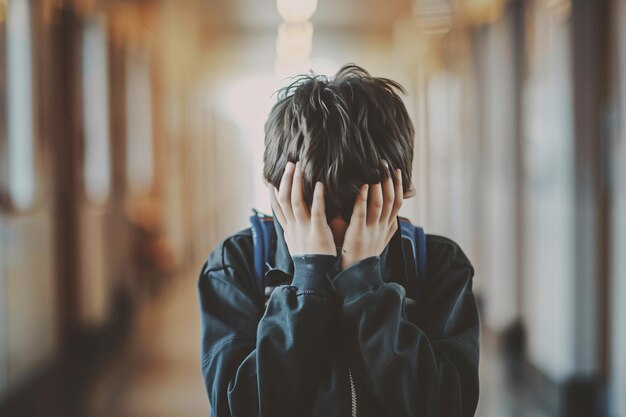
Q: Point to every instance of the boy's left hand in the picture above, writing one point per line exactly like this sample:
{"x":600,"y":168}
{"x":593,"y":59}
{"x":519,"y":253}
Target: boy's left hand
{"x":306,"y":230}
{"x":371,"y":227}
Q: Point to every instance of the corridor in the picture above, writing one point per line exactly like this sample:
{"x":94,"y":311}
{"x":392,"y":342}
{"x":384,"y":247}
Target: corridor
{"x":133,"y":140}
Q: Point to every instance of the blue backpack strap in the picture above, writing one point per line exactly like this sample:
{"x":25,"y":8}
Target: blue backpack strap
{"x":417,"y":237}
{"x":421,"y":252}
{"x":263,"y":239}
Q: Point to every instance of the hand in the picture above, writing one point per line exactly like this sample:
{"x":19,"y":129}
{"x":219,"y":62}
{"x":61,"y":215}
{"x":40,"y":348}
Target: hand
{"x":371,"y":228}
{"x":306,"y":232}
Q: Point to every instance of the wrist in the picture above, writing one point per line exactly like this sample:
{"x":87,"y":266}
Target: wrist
{"x":310,"y":270}
{"x":347,"y":262}
{"x":362,"y":276}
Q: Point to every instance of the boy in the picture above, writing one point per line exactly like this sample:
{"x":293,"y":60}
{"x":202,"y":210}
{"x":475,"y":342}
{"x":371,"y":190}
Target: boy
{"x":339,"y":336}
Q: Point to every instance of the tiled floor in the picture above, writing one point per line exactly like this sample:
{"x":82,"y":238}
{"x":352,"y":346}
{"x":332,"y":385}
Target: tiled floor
{"x":159,"y":374}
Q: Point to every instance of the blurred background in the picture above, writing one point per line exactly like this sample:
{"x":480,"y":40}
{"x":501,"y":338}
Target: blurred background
{"x":131,"y":143}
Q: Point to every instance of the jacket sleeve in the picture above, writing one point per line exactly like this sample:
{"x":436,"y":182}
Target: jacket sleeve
{"x":428,"y":368}
{"x":258,"y":361}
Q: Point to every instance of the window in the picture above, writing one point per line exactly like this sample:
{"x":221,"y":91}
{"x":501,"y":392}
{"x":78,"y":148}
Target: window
{"x":97,"y":159}
{"x":550,"y":202}
{"x":20,"y":149}
{"x":139,"y":152}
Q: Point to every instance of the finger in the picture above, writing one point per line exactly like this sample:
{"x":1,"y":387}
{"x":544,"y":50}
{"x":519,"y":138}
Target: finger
{"x":398,"y":198}
{"x":299,"y":206}
{"x":318,"y":207}
{"x":275,"y":206}
{"x":284,"y":192}
{"x":392,"y":230}
{"x":359,"y":212}
{"x":375,"y":206}
{"x":388,"y":195}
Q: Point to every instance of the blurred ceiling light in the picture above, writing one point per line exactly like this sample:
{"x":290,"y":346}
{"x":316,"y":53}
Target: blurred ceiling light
{"x":482,"y":12}
{"x":246,"y":100}
{"x":284,"y":69}
{"x":295,"y":40}
{"x":296,"y":11}
{"x":434,"y":17}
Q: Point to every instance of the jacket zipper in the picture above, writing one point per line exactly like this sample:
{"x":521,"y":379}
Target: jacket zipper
{"x":352,"y":393}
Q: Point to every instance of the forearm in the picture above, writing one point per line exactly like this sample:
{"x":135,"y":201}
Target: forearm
{"x":277,"y":372}
{"x":408,"y":371}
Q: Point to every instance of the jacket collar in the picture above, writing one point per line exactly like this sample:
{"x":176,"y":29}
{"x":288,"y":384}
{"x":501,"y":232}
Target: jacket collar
{"x":392,"y":259}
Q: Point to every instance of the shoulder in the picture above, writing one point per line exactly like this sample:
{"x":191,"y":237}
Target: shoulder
{"x":444,"y":254}
{"x":232,"y":256}
{"x":449,"y":311}
{"x":226,"y":284}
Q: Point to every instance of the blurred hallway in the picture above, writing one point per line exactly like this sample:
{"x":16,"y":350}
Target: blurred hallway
{"x":132,"y":142}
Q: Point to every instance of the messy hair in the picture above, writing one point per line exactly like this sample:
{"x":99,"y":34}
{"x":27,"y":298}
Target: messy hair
{"x":340,"y":129}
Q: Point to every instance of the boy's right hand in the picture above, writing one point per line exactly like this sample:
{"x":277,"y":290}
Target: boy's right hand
{"x":306,"y":232}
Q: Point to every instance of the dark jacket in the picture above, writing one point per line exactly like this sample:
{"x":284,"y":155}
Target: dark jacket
{"x":339,"y":343}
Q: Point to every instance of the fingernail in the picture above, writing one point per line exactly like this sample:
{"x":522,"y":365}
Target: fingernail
{"x":385,"y":163}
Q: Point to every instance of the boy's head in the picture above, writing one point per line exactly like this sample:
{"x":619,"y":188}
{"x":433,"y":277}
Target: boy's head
{"x":340,"y":129}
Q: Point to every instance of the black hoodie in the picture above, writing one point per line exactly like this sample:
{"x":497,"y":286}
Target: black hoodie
{"x":339,"y":343}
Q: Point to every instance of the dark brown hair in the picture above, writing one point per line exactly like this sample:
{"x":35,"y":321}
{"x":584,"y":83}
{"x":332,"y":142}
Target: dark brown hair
{"x":340,"y":129}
